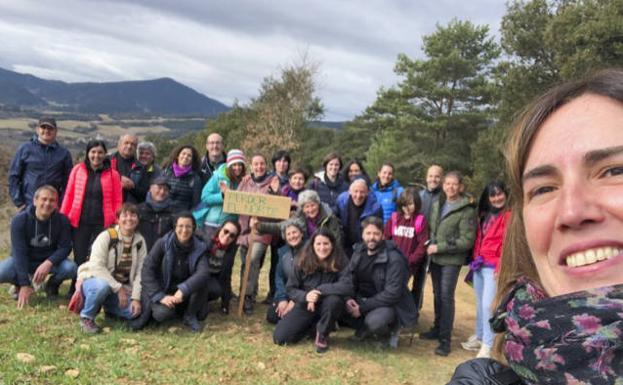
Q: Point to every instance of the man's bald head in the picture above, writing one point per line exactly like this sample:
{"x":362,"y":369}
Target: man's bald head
{"x":214,"y":147}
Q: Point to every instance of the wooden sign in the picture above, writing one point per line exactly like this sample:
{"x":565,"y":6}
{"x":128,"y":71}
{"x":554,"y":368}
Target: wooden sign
{"x":257,"y":205}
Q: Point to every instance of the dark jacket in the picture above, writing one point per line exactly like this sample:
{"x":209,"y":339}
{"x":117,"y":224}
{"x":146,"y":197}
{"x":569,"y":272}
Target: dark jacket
{"x":428,"y":198}
{"x":226,"y":266}
{"x":28,"y":256}
{"x":371,"y":208}
{"x":207,"y":168}
{"x":285,"y":270}
{"x":454,"y":233}
{"x":134,"y":170}
{"x":327,"y":191}
{"x":154,"y":223}
{"x":484,"y":371}
{"x":158,"y":269}
{"x":390,"y":276}
{"x":328,"y":283}
{"x":185,"y":191}
{"x":36,"y":164}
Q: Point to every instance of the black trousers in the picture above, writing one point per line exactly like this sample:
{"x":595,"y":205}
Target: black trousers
{"x":83,"y":237}
{"x":295,"y":325}
{"x":419,"y":280}
{"x":444,"y":279}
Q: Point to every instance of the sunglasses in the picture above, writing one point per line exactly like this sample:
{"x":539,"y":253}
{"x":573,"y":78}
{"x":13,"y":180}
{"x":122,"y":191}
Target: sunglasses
{"x":230,"y":234}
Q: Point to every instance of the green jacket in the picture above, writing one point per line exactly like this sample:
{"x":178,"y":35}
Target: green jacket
{"x":454,"y":234}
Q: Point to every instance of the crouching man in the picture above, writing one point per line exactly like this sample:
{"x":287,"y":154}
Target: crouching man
{"x":41,"y":242}
{"x":382,"y":304}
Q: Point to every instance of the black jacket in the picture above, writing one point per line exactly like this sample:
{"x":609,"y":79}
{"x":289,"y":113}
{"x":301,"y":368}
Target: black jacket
{"x":390,"y":276}
{"x":158,"y":269}
{"x":154,"y":224}
{"x":484,"y":371}
{"x":184,"y":191}
{"x":299,"y":284}
{"x":226,"y":266}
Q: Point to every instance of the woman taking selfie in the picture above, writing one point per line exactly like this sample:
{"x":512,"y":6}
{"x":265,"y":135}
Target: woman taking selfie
{"x":559,"y":288}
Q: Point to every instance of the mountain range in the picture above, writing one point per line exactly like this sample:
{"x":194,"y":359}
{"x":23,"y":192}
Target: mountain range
{"x":156,"y":97}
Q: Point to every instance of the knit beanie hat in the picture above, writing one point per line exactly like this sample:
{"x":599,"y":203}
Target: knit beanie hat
{"x":307,"y":196}
{"x":235,"y":156}
{"x":294,"y":221}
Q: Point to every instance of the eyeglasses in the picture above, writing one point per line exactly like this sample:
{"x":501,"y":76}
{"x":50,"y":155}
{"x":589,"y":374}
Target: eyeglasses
{"x":230,"y":234}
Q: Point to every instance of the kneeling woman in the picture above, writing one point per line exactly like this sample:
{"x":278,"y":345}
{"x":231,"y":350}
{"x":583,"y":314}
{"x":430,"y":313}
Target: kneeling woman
{"x":175,"y":276}
{"x":221,"y":253}
{"x":318,"y":287}
{"x":112,"y":276}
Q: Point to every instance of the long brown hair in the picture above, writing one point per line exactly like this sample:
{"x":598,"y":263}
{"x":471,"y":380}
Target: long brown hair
{"x":309,"y":263}
{"x":516,"y":257}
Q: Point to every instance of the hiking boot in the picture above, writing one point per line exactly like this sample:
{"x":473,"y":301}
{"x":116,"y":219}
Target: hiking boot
{"x":192,"y":323}
{"x":89,"y":326}
{"x":432,"y":334}
{"x":248,"y":305}
{"x":484,"y":352}
{"x":51,"y":290}
{"x":472,"y":344}
{"x":321,"y":343}
{"x":14,"y":292}
{"x":443,"y":349}
{"x":360,"y":334}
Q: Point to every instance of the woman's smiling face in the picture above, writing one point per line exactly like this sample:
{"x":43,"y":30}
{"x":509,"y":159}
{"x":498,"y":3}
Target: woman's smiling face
{"x":573,"y":196}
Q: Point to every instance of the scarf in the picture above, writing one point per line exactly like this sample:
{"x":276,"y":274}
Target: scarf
{"x":181,"y":171}
{"x":260,"y":179}
{"x":574,"y":338}
{"x":157,"y":206}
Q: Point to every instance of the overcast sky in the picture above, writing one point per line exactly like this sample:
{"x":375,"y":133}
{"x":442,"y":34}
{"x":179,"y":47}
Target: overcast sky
{"x":223,"y":48}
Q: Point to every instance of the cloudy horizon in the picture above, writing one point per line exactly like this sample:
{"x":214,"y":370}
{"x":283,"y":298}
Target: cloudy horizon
{"x":225,"y":49}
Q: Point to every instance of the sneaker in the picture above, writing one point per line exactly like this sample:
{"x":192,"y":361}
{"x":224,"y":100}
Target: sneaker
{"x":360,"y":334}
{"x":224,"y":309}
{"x":89,"y":326}
{"x":484,"y":352}
{"x":192,"y":323}
{"x":432,"y":334}
{"x":248,"y":305}
{"x":443,"y":349}
{"x":472,"y":344}
{"x":392,"y":342}
{"x":14,"y":292}
{"x":321,"y":343}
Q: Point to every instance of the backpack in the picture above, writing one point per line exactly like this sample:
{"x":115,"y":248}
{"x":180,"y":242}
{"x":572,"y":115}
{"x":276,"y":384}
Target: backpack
{"x":114,"y":240}
{"x":419,"y":222}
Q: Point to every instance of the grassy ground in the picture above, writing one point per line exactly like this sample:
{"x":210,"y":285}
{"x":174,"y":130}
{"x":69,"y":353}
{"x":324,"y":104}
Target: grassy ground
{"x":230,"y":350}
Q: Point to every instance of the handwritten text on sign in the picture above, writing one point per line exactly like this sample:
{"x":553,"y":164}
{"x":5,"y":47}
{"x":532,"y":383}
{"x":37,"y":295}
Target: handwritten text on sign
{"x":257,"y":205}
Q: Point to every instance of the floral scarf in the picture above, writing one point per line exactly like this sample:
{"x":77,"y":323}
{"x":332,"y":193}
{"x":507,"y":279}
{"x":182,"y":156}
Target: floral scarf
{"x":574,"y":339}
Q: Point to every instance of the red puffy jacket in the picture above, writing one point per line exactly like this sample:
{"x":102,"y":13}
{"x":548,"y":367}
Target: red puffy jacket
{"x":112,"y":197}
{"x":490,"y":246}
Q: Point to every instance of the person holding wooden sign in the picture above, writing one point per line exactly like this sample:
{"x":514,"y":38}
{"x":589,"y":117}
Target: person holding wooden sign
{"x":264,"y":183}
{"x":318,"y":287}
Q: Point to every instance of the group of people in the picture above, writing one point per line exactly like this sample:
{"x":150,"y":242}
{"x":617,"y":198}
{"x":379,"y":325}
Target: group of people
{"x":153,"y":244}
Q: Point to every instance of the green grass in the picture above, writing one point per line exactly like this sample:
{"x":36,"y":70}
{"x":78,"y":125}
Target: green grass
{"x":230,"y":350}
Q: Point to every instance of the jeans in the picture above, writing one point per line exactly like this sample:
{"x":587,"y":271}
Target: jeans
{"x":65,"y":270}
{"x":484,"y":287}
{"x":419,"y":280}
{"x":257,"y":253}
{"x":97,"y":293}
{"x":444,"y":279}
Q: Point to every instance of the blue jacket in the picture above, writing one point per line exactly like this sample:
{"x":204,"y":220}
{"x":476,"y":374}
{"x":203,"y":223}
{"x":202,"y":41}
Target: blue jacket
{"x":327,"y":191}
{"x":210,"y":209}
{"x":372,"y":208}
{"x":387,"y":197}
{"x":27,"y":256}
{"x":158,"y":269}
{"x":36,"y":164}
{"x":284,"y":271}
